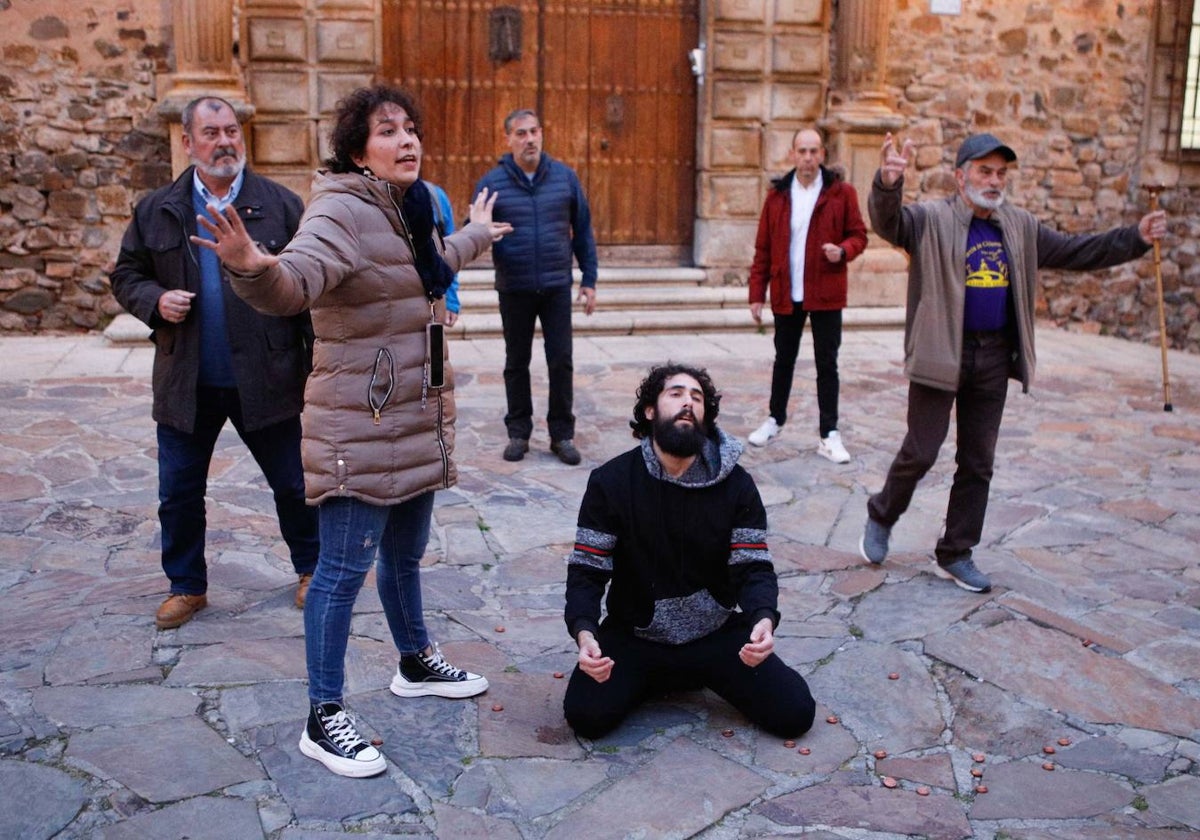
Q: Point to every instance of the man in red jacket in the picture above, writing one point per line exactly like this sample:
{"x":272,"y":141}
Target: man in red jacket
{"x":810,"y":229}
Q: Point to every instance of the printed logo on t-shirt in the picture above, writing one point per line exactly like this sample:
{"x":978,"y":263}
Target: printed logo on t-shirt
{"x":986,"y":303}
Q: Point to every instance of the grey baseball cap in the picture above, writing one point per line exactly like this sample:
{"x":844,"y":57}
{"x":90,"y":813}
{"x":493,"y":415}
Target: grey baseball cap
{"x":982,"y":145}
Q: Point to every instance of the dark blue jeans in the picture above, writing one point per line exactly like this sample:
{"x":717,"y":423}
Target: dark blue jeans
{"x":519,"y":311}
{"x":356,"y":536}
{"x":183,"y":462}
{"x":827,"y":340}
{"x":979,"y":407}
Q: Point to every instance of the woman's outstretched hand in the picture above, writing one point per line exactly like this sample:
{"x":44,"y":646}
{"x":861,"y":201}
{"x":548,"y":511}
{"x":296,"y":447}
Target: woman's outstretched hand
{"x":481,"y":211}
{"x":233,"y":244}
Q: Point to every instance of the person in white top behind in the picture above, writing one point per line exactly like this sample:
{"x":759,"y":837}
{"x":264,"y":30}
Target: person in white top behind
{"x":809,"y":231}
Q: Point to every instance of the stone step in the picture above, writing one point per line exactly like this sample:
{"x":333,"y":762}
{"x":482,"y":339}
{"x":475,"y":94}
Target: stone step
{"x":657,"y":321}
{"x":484,"y":322}
{"x":631,"y":301}
{"x":629,"y":296}
{"x":484,"y":277}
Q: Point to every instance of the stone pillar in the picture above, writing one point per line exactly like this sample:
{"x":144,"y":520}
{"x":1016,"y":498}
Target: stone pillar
{"x":203,"y":40}
{"x":860,"y":114}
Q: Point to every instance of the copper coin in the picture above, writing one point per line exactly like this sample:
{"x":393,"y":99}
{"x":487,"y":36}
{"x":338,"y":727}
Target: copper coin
{"x":1064,"y":742}
{"x":558,"y":675}
{"x":1049,"y":765}
{"x":981,"y":788}
{"x":893,"y":676}
{"x":979,"y":758}
{"x":791,"y":745}
{"x":805,"y":751}
{"x":728,"y":733}
{"x":377,"y":742}
{"x":497,"y":708}
{"x":1048,"y":750}
{"x":831,"y":719}
{"x":500,"y":629}
{"x":881,"y":754}
{"x":976,"y":772}
{"x":922,"y":791}
{"x":889,"y":782}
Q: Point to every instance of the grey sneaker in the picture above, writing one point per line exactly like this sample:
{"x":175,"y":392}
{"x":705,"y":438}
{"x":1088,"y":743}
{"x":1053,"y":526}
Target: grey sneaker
{"x":516,"y":449}
{"x":874,"y":543}
{"x":964,"y":573}
{"x":566,"y":451}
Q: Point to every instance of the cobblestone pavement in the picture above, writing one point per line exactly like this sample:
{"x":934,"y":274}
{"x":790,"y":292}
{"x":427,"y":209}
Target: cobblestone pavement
{"x":1071,"y":691}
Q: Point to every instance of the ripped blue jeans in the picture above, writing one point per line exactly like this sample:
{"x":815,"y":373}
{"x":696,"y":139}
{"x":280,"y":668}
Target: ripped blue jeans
{"x":355,"y":535}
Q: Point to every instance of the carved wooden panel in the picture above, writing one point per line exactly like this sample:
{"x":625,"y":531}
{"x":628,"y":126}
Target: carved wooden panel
{"x":610,"y":79}
{"x":302,"y":56}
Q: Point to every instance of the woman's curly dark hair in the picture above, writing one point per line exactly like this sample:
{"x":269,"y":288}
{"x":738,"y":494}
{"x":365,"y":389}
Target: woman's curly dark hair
{"x":351,"y":126}
{"x":652,"y":386}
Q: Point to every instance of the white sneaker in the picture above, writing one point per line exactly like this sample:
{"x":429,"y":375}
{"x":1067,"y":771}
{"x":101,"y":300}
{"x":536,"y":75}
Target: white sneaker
{"x":831,"y":447}
{"x":765,"y":432}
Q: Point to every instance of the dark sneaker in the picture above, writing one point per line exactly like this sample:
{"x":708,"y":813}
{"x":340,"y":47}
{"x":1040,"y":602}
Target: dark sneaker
{"x":330,"y":738}
{"x":421,"y":676}
{"x":566,"y":451}
{"x":964,"y":573}
{"x":874,"y":543}
{"x":516,"y":449}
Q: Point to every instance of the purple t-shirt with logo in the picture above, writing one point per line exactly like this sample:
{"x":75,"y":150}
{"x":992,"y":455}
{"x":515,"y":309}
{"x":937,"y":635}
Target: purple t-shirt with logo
{"x":986,"y":305}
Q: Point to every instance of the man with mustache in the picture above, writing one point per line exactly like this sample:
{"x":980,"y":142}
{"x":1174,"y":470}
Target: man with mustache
{"x":216,"y":359}
{"x":969,"y":328}
{"x":676,"y":532}
{"x":544,"y":202}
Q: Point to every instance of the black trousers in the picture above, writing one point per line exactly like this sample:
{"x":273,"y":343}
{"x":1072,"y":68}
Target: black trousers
{"x":979,"y":405}
{"x":827,"y":340}
{"x":772,"y":695}
{"x":183,"y":464}
{"x":519,"y":312}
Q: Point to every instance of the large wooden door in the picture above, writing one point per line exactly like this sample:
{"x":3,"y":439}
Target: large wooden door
{"x":610,"y":79}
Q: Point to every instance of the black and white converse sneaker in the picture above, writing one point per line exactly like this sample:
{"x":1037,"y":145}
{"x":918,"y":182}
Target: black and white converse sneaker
{"x":420,"y":675}
{"x":331,"y":738}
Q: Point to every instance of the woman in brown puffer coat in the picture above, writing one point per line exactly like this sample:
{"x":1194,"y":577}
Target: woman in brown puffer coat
{"x":378,"y":418}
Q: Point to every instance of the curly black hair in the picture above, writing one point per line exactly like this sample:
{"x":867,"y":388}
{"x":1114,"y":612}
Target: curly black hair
{"x":351,"y":125}
{"x":652,"y":386}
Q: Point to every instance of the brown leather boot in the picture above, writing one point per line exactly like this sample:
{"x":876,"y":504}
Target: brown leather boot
{"x":178,"y":610}
{"x":302,"y":590}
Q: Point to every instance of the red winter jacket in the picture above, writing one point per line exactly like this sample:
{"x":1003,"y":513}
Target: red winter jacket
{"x":836,"y":218}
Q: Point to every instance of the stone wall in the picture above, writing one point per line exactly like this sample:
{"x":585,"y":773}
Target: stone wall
{"x":1073,"y":86}
{"x":79,"y":143}
{"x":1066,"y":85}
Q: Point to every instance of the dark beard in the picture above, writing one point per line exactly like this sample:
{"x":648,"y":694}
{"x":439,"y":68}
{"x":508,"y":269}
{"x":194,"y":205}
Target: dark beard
{"x":680,"y":441}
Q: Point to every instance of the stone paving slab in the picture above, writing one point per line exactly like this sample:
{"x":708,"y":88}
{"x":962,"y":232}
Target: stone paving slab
{"x":897,"y":812}
{"x":1091,"y":634}
{"x":143,"y":758}
{"x":1026,"y":790}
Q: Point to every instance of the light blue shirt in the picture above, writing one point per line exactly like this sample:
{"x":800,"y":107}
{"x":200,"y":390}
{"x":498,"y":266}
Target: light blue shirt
{"x":206,"y":196}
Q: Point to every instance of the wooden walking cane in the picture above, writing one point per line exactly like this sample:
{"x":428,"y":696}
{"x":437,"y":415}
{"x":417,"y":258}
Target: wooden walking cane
{"x":1154,"y":190}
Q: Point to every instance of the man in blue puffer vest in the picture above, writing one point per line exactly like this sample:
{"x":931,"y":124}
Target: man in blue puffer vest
{"x":544,"y":202}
